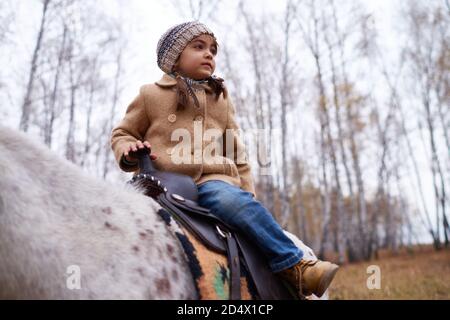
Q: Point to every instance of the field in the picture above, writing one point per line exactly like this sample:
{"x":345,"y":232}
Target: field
{"x":422,"y":274}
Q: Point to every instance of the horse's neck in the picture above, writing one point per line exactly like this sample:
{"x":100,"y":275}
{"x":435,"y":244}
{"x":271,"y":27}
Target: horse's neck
{"x":59,"y":216}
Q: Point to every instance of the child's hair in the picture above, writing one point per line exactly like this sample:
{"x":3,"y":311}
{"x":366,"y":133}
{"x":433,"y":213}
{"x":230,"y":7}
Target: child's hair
{"x":184,"y":90}
{"x":169,"y":48}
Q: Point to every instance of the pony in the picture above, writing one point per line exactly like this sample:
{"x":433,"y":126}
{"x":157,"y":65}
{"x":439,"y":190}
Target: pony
{"x":67,"y":235}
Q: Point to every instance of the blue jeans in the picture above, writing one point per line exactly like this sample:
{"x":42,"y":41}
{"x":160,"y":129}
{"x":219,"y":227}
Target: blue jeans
{"x":239,"y":209}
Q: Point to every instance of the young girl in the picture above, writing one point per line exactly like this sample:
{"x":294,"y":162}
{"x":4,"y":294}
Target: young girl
{"x":190,"y":100}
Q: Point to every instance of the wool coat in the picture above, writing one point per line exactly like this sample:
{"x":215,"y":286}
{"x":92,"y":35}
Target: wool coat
{"x":202,"y":141}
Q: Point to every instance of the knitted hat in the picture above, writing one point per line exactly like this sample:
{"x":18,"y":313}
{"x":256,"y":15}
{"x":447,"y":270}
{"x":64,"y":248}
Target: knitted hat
{"x":174,"y":40}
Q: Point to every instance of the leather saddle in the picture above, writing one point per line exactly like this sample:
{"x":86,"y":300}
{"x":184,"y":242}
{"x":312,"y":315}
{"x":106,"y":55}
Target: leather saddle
{"x":178,"y":195}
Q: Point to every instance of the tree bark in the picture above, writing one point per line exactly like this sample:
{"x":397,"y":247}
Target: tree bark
{"x":26,"y":105}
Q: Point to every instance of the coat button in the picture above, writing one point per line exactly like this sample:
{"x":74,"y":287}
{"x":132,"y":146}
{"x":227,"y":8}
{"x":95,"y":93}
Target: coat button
{"x":172,"y":117}
{"x":198,"y":118}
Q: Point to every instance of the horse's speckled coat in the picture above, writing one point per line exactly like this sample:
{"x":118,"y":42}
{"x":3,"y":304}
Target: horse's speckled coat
{"x":53,"y":215}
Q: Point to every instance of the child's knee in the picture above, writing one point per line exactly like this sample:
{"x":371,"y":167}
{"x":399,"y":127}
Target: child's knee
{"x":226,"y":200}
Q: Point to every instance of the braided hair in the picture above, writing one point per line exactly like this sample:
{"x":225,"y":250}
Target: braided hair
{"x":184,"y":89}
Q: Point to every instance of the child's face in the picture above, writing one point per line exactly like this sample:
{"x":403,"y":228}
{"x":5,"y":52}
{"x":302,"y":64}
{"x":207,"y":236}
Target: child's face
{"x":197,"y":61}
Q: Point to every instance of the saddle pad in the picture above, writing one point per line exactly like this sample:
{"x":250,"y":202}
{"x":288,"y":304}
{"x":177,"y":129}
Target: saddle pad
{"x":209,"y":269}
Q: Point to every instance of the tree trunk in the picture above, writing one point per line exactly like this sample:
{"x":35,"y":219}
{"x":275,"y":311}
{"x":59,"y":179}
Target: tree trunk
{"x":26,"y":105}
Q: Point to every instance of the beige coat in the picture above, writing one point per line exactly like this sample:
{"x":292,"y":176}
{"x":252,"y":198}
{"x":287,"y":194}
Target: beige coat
{"x":152,"y":116}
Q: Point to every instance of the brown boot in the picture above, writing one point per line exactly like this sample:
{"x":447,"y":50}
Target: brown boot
{"x":310,"y":277}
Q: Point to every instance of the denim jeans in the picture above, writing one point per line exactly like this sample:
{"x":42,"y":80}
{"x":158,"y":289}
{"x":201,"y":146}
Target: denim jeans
{"x":239,"y":209}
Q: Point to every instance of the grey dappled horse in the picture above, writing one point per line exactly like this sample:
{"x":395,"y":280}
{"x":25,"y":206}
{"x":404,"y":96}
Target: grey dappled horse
{"x":67,"y":235}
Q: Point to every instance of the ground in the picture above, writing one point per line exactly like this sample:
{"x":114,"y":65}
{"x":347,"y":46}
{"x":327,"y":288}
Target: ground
{"x":422,"y":274}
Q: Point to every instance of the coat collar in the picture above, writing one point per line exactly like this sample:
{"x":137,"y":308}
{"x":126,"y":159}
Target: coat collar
{"x":167,"y":81}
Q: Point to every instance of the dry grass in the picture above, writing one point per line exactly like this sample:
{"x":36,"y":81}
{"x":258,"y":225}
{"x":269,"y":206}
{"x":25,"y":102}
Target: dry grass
{"x":420,"y":275}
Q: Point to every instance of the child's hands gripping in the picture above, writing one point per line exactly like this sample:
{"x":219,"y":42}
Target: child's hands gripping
{"x":134,"y":147}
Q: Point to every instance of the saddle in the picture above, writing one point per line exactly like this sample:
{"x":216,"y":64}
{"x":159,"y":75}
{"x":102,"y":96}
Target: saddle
{"x":178,"y":195}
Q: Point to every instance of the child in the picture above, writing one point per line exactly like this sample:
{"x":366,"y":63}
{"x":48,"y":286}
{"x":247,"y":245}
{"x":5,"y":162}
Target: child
{"x":189,"y":98}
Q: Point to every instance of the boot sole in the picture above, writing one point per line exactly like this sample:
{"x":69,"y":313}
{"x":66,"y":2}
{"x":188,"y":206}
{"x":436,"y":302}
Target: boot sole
{"x":326,"y":280}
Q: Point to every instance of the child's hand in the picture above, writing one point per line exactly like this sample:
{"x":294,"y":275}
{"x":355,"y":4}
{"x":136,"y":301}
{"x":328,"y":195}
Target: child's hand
{"x":134,"y":147}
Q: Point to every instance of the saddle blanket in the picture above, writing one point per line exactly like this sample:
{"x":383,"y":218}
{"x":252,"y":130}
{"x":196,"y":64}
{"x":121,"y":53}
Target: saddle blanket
{"x":210,"y":269}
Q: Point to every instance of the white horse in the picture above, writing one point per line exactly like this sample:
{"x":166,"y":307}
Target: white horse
{"x":67,"y":235}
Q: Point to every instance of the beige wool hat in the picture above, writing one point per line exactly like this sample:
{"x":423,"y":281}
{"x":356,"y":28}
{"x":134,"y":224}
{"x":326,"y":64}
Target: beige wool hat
{"x":174,"y":40}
